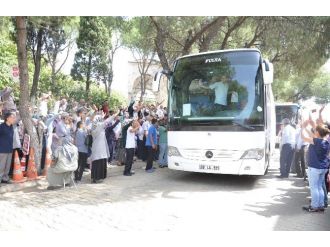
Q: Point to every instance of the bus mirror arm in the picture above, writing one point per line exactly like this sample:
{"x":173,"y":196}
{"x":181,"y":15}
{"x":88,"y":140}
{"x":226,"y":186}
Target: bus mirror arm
{"x":158,"y":77}
{"x":167,"y":72}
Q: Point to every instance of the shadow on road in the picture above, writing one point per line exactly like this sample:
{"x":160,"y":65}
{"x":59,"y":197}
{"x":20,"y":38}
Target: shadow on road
{"x":141,"y":186}
{"x":286,"y":206}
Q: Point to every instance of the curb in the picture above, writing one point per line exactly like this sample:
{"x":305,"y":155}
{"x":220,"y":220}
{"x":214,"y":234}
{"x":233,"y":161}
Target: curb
{"x":14,"y":187}
{"x":21,"y":186}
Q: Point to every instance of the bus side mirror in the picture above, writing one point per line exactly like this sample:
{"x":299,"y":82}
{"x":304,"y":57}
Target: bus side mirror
{"x":268,"y":71}
{"x":158,"y":77}
{"x":156,"y":82}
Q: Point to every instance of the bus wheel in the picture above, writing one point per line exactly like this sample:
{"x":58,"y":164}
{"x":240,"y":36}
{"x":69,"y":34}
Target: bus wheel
{"x":267,"y":161}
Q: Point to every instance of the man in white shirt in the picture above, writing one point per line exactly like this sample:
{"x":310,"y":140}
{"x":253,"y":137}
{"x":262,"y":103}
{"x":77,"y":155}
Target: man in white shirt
{"x":140,"y":143}
{"x":220,"y":86}
{"x":299,"y":160}
{"x":130,"y":147}
{"x":145,"y":127}
{"x":288,"y":141}
{"x":160,"y":112}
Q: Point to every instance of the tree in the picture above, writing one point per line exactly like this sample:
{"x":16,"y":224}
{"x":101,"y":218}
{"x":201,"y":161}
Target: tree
{"x":94,"y":43}
{"x":138,"y":40}
{"x":177,"y":36}
{"x":35,"y":32}
{"x":8,"y":57}
{"x":117,"y":26}
{"x":58,"y":38}
{"x":24,"y":87}
{"x":298,"y":46}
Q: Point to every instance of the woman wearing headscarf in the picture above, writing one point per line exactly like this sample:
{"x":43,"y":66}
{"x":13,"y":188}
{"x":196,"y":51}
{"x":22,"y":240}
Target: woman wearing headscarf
{"x":64,"y":155}
{"x":100,"y":149}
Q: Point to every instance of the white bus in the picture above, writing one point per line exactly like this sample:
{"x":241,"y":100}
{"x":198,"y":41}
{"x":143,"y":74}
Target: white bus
{"x":221,"y":113}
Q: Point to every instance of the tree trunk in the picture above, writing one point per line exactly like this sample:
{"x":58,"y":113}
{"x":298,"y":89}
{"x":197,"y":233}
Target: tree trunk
{"x":88,"y":75}
{"x":142,"y":88}
{"x":24,"y":87}
{"x":105,"y":86}
{"x":53,"y":78}
{"x":37,"y":67}
{"x":160,"y":45}
{"x":110,"y":77}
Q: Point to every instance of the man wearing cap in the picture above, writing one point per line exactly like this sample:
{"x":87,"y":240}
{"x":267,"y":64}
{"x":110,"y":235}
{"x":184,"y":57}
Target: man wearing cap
{"x":287,"y":150}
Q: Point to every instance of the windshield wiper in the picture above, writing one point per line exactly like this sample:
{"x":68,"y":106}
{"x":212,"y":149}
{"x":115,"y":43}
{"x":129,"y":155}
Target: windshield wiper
{"x":244,"y":126}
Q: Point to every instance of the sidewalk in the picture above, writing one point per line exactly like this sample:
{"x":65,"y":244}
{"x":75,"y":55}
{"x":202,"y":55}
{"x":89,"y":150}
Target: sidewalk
{"x":42,"y":181}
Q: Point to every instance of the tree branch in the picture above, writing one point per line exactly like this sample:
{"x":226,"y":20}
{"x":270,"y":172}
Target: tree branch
{"x":255,"y":36}
{"x":191,"y":39}
{"x":69,"y":47}
{"x":231,"y":29}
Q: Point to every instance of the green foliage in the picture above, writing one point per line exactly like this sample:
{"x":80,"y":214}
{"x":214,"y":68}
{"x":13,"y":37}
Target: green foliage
{"x":94,"y":43}
{"x":295,"y":88}
{"x":8,"y":58}
{"x":139,"y":36}
{"x":74,"y":90}
{"x":321,"y":88}
{"x":298,"y":47}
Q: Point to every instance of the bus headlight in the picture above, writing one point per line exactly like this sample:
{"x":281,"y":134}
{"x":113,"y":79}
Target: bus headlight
{"x":173,"y":151}
{"x":256,"y":154}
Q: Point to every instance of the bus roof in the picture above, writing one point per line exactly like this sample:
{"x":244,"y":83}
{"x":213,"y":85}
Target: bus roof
{"x":219,"y":51}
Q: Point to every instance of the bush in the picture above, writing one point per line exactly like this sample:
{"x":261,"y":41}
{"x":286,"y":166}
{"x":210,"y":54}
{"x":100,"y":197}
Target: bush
{"x":74,"y":90}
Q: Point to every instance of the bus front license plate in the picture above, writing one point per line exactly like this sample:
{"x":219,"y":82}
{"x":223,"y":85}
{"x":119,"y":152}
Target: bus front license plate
{"x":209,"y":167}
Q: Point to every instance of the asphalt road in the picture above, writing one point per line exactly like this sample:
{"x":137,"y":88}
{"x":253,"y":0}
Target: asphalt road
{"x":165,"y":200}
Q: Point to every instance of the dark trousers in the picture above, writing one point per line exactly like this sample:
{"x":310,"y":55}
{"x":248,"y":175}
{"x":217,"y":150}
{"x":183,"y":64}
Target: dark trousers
{"x":129,"y":160}
{"x":327,"y":186}
{"x":145,"y":149}
{"x":43,"y":152}
{"x":219,"y":107}
{"x":82,"y":160}
{"x":112,"y":149}
{"x":299,"y":162}
{"x":286,"y":156}
{"x":87,"y":166}
{"x":140,"y":147}
{"x":156,"y":155}
{"x":150,"y":157}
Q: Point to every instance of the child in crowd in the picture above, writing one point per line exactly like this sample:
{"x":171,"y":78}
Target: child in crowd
{"x":80,"y":138}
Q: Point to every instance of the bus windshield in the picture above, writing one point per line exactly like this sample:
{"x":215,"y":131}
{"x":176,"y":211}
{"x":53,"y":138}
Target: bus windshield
{"x":218,"y":87}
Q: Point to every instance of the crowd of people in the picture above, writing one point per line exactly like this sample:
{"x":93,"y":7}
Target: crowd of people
{"x":308,"y":142}
{"x":80,"y":136}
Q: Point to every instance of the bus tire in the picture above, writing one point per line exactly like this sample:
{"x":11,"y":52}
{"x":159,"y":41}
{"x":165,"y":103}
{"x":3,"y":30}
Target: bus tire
{"x":267,"y":161}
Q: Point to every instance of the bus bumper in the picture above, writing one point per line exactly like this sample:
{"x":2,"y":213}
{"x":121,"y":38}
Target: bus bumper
{"x":240,"y":167}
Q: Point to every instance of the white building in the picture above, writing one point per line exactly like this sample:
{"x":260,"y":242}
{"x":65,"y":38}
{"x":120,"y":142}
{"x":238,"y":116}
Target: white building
{"x":126,"y":77}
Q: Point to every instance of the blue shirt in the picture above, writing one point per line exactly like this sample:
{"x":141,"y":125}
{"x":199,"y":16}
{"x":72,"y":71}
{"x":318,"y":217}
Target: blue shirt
{"x":318,"y":154}
{"x":152,"y":133}
{"x":6,"y":138}
{"x":80,"y":141}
